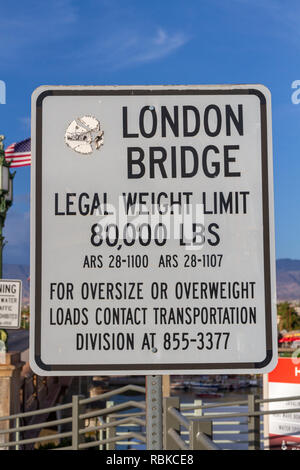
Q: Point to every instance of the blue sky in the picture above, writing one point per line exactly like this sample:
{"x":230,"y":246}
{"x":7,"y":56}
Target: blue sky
{"x":103,"y":42}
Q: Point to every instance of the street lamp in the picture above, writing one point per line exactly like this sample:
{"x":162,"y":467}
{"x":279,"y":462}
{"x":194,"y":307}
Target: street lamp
{"x":6,"y":194}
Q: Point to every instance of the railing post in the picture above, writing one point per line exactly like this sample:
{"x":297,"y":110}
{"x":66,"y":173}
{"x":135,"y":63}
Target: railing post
{"x":196,"y":427}
{"x":107,"y":433}
{"x":169,"y":422}
{"x":17,"y":434}
{"x":77,"y":423}
{"x":253,"y":423}
{"x":112,"y":431}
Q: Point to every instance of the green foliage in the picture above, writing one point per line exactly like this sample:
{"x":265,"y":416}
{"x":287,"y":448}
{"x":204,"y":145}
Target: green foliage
{"x":25,"y":313}
{"x":289,"y":319}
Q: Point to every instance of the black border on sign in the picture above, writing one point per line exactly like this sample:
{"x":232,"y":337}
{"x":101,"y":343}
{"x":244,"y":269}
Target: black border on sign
{"x":38,"y":231}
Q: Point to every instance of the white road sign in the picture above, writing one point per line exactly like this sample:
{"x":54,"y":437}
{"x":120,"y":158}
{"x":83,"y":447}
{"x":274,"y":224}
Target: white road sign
{"x":10,"y":303}
{"x":152,"y":230}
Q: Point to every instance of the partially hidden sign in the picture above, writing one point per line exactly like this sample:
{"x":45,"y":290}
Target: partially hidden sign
{"x":284,"y":381}
{"x":152,"y":230}
{"x":10,"y":303}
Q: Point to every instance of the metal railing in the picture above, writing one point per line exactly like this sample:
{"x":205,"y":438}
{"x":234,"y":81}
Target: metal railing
{"x":185,"y":430}
{"x":199,"y":431}
{"x":98,"y":422}
{"x":20,"y":434}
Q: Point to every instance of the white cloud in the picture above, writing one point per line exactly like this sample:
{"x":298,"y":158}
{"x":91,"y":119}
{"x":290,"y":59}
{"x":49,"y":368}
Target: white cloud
{"x":158,"y":46}
{"x":109,"y":34}
{"x":129,"y":47}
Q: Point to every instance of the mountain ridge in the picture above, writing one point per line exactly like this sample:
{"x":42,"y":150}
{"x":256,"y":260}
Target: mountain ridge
{"x":287,"y":278}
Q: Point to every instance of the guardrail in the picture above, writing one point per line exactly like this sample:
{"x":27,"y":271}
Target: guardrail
{"x":84,"y":423}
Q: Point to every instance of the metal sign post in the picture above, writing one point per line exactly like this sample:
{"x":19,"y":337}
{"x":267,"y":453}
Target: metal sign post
{"x":152,"y":231}
{"x":154,"y":411}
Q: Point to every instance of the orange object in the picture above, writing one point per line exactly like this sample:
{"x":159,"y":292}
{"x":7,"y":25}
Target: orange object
{"x":286,"y":371}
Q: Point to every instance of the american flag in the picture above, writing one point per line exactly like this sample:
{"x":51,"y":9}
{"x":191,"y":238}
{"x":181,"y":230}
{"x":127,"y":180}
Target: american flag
{"x":19,"y":154}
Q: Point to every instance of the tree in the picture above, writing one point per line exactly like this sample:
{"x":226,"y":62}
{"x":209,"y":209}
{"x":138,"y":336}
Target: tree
{"x":288,"y":317}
